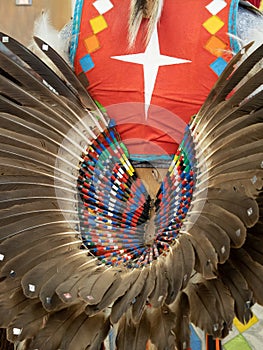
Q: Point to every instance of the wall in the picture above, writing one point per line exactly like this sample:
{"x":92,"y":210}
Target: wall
{"x":18,"y":21}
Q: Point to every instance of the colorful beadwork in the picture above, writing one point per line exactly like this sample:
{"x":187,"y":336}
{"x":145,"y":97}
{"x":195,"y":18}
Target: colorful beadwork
{"x":115,"y":210}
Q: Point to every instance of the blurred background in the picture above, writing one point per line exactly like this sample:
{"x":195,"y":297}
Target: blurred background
{"x":18,"y":20}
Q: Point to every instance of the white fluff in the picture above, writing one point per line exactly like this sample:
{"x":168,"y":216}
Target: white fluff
{"x":45,"y":31}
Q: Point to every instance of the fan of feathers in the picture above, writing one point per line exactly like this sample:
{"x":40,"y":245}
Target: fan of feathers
{"x":85,"y":250}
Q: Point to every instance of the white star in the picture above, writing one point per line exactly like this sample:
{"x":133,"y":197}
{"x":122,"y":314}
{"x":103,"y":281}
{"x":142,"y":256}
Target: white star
{"x":151,"y":60}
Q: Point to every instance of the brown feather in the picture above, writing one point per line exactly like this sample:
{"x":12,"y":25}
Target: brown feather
{"x":139,"y":306}
{"x":231,"y":224}
{"x":12,"y":302}
{"x":248,"y":182}
{"x":235,"y":139}
{"x":181,"y":309}
{"x":28,"y":322}
{"x":34,"y":112}
{"x":224,"y":86}
{"x":174,"y":270}
{"x":234,"y":154}
{"x":188,"y":258}
{"x":23,"y":263}
{"x":234,"y":202}
{"x":86,"y":332}
{"x":67,"y":286}
{"x":159,"y":293}
{"x":213,"y":232}
{"x":205,"y":255}
{"x":50,"y":291}
{"x":118,"y":288}
{"x":126,"y":333}
{"x":224,"y":304}
{"x":131,"y":335}
{"x":55,"y":330}
{"x":39,"y":66}
{"x":43,"y":272}
{"x":18,"y":244}
{"x":162,"y":323}
{"x":68,"y":74}
{"x":93,"y":290}
{"x":239,"y":290}
{"x":229,"y":122}
{"x":250,"y":270}
{"x":122,"y":304}
{"x":203,"y":308}
{"x":223,"y":80}
{"x":254,"y":245}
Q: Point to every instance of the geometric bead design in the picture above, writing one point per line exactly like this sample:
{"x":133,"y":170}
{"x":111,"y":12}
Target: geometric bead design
{"x":102,"y":6}
{"x":218,"y":65}
{"x":216,"y":6}
{"x":98,"y":24}
{"x":243,"y":327}
{"x":86,"y":63}
{"x":92,"y":43}
{"x":238,"y":342}
{"x":213,"y":24}
{"x":216,"y":46}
